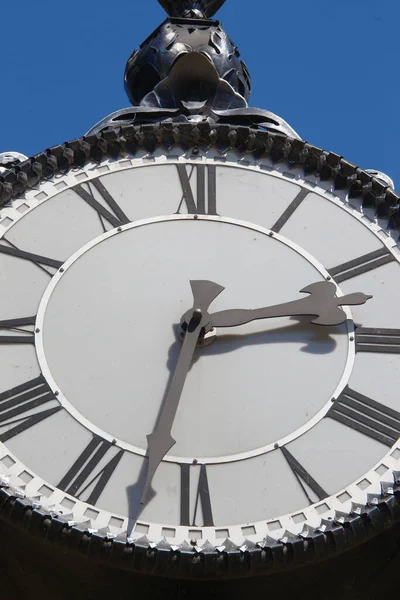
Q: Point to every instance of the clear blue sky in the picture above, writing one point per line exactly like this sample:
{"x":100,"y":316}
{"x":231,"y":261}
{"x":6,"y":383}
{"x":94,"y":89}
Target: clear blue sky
{"x":329,"y":67}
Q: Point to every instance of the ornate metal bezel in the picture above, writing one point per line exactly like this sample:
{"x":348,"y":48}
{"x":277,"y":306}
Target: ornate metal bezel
{"x":207,"y":562}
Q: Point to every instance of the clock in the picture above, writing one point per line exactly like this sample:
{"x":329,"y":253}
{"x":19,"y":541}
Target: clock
{"x":200,"y":349}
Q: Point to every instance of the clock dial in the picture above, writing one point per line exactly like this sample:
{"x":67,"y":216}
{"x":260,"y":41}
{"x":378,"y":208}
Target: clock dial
{"x":96,"y":268}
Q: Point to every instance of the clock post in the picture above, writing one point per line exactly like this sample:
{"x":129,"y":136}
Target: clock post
{"x":203,"y":313}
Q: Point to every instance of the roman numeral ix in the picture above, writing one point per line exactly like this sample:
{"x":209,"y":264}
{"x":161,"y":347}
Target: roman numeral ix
{"x":367,"y":416}
{"x":303,"y":476}
{"x":203,"y":200}
{"x":18,"y":325}
{"x":117,"y":217}
{"x":365,"y":263}
{"x":202,"y":497}
{"x":89,"y":475}
{"x":386,"y":341}
{"x":17,"y":407}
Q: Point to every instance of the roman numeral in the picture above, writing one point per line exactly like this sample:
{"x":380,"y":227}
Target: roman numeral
{"x":202,"y":497}
{"x":89,"y":476}
{"x":16,"y":404}
{"x":17,"y":325}
{"x":38,"y":260}
{"x":203,"y":201}
{"x":367,"y":416}
{"x":303,"y":476}
{"x":386,"y":341}
{"x":365,"y":263}
{"x":115,"y":218}
{"x":293,"y":206}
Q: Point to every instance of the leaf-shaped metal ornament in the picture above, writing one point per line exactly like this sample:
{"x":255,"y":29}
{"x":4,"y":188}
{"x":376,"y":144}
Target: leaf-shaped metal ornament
{"x":191,"y":8}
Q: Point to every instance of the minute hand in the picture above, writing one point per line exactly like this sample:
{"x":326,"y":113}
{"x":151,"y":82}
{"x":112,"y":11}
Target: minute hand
{"x":321,"y":303}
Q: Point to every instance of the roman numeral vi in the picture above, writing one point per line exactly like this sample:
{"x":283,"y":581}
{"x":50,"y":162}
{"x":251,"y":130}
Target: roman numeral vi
{"x":202,"y":497}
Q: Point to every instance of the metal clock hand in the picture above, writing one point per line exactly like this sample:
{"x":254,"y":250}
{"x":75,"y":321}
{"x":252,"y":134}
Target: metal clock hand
{"x":161,"y":441}
{"x":321,"y":303}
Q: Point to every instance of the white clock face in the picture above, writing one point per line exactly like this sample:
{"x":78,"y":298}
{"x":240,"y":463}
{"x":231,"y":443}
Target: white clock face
{"x":281,"y":422}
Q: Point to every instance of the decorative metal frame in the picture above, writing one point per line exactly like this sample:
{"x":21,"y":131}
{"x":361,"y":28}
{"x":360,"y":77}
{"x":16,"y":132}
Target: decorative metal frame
{"x":343,"y":532}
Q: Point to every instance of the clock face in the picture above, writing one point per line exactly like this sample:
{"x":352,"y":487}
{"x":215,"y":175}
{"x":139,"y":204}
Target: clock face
{"x":281,"y":424}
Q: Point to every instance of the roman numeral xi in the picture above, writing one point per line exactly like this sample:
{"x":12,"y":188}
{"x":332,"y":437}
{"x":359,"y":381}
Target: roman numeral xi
{"x":113,"y":214}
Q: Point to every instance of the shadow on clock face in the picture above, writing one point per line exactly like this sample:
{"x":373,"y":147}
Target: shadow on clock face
{"x":317,"y":340}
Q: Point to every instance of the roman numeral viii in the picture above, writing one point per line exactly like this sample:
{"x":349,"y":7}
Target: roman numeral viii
{"x":18,"y":407}
{"x":17,"y":325}
{"x":202,"y":198}
{"x":386,"y":341}
{"x":91,"y":472}
{"x":367,"y":416}
{"x":361,"y":265}
{"x":190,"y":503}
{"x":117,"y":217}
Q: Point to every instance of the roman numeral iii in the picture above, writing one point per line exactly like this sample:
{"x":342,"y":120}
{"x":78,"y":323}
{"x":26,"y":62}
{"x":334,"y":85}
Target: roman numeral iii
{"x":18,"y":407}
{"x":386,"y":341}
{"x":190,"y":504}
{"x":367,"y":416}
{"x":202,"y":198}
{"x":90,"y":474}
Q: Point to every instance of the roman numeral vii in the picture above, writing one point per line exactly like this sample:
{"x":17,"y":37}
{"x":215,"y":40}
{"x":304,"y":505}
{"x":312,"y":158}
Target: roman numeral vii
{"x":91,"y":472}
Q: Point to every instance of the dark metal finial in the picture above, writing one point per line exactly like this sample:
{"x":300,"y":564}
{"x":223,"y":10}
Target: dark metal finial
{"x":191,"y":8}
{"x":190,"y":70}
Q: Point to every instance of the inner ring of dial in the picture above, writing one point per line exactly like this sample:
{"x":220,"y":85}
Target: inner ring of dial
{"x":60,"y":277}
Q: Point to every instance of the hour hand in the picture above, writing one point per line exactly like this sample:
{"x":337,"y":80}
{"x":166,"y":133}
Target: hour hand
{"x":322,"y":304}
